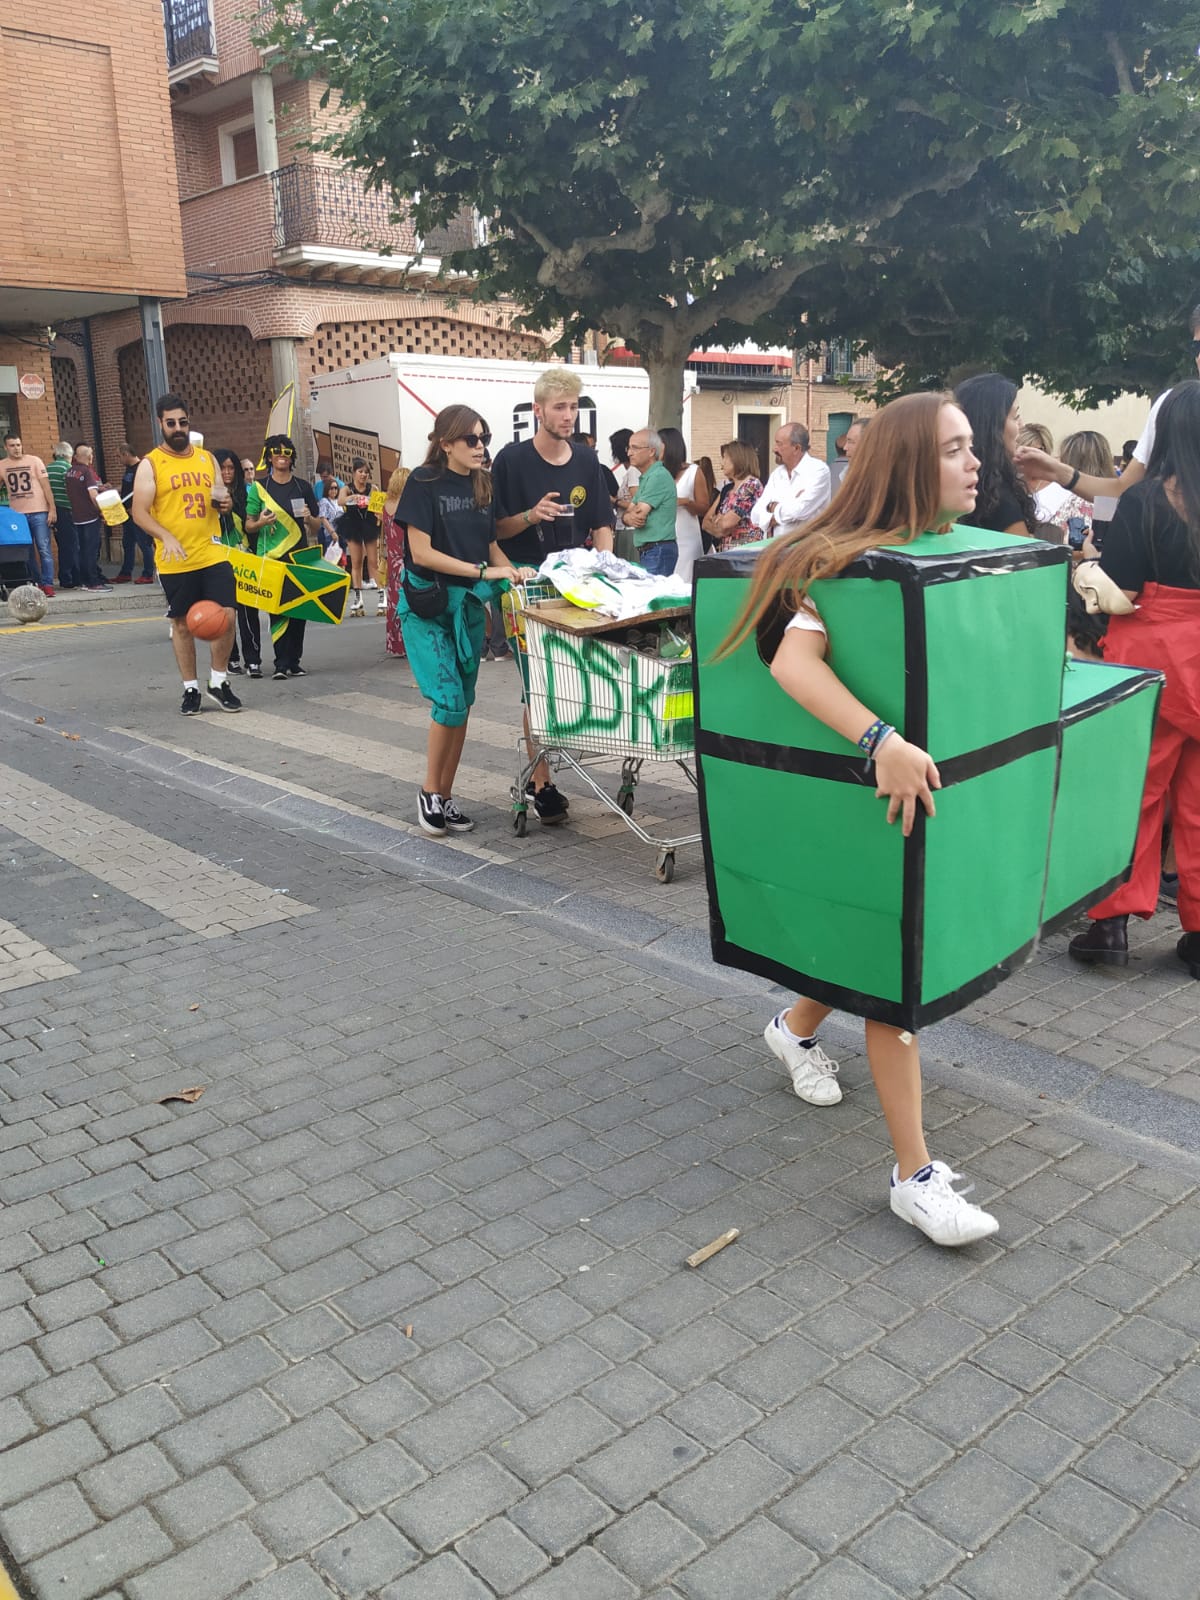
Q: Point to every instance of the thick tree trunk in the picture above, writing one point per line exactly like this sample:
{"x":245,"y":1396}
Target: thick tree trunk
{"x":666,"y":369}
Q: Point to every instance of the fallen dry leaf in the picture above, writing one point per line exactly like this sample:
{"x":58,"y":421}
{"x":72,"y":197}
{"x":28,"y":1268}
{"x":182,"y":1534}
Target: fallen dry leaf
{"x":188,"y":1096}
{"x":39,"y":719}
{"x":196,"y":1007}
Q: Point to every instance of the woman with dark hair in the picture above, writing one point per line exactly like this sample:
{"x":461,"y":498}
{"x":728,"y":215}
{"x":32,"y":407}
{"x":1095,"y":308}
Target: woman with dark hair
{"x":358,"y":530}
{"x":451,"y":562}
{"x":914,"y":471}
{"x":1004,"y":503}
{"x":1152,"y":553}
{"x":691,"y":502}
{"x":627,"y":476}
{"x":233,"y":533}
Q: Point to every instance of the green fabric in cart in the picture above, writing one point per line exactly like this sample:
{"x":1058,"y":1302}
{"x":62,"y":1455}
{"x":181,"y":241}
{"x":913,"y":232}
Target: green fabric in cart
{"x":958,"y":640}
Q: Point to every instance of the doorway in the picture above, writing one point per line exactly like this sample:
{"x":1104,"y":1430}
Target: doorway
{"x":756,"y":428}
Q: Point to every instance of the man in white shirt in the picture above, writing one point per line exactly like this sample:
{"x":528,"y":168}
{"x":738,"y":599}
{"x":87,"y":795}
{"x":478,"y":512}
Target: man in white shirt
{"x":797,"y":489}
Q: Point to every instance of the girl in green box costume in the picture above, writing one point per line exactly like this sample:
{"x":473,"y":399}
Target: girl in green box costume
{"x":915,"y":470}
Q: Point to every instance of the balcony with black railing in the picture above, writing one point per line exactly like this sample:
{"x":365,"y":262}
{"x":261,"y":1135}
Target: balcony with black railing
{"x":327,"y":217}
{"x":191,"y":40}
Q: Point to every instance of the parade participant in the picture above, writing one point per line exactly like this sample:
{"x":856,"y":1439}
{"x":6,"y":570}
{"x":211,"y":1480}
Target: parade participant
{"x":29,"y":492}
{"x":1004,"y":503}
{"x":278,"y":512}
{"x":358,"y":530}
{"x":914,"y":470}
{"x":452,"y":559}
{"x":235,"y":537}
{"x":550,"y":495}
{"x":178,"y":498}
{"x":1152,"y":553}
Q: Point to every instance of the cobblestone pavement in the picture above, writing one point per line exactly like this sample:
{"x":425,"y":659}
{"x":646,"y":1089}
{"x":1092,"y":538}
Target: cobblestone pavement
{"x":398,"y":1308}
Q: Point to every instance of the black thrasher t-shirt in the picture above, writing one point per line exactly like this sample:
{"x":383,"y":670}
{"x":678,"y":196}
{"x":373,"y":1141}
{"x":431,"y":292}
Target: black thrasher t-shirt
{"x":521,"y":477}
{"x":442,"y":504}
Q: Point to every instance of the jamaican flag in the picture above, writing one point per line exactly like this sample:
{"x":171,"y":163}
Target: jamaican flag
{"x":285,"y":579}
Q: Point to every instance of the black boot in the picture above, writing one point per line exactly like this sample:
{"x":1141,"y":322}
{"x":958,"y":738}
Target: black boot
{"x":1188,"y":951}
{"x":1105,"y":943}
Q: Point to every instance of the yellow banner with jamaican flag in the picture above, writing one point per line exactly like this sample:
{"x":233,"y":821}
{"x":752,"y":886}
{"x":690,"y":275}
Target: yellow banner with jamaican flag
{"x":305,"y":586}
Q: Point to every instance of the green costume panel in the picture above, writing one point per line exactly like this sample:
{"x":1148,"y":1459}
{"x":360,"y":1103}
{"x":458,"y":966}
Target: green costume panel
{"x":957,"y":639}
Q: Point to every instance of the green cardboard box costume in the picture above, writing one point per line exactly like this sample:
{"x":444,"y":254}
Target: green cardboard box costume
{"x":958,"y":640}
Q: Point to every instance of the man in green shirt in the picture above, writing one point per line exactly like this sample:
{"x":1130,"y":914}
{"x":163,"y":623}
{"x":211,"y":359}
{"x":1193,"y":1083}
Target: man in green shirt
{"x":652,"y":514}
{"x":65,"y":535}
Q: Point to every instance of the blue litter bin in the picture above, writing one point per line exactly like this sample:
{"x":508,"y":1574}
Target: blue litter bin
{"x":15,"y":549}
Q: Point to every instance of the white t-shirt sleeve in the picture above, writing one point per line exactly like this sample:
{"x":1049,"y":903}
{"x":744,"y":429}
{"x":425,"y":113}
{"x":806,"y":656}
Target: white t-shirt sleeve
{"x":1145,"y":445}
{"x":807,"y":622}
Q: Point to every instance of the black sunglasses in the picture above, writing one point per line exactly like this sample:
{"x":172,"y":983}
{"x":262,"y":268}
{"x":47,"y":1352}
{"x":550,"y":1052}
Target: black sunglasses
{"x":474,"y":440}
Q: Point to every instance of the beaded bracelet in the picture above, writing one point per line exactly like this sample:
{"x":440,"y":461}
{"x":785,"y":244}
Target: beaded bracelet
{"x":874,"y":736}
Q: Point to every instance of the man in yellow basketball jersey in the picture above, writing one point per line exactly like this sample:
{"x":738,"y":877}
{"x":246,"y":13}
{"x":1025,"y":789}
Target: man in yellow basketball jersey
{"x":178,"y":497}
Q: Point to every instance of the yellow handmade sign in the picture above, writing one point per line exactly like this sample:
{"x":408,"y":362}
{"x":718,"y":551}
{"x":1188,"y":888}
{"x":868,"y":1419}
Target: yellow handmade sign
{"x":375,"y":501}
{"x":305,"y":586}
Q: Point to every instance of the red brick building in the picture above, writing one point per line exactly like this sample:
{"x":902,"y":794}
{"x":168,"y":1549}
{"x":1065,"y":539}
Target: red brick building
{"x":91,"y":212}
{"x":293,"y":268}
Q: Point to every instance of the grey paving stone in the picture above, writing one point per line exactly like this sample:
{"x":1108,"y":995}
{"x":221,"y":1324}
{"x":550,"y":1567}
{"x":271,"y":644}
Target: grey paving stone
{"x":437,"y":1513}
{"x":128,"y":1479}
{"x":70,"y":1394}
{"x":1025,"y":1558}
{"x":961,"y":1403}
{"x":52,"y":1517}
{"x":365,"y":1557}
{"x":905,"y":1553}
{"x":54,"y":1455}
{"x":215,"y":1434}
{"x":1128,"y":1471}
{"x":725,"y":1491}
{"x":449,"y":1370}
{"x":553,"y":1441}
{"x":502,"y":1556}
{"x":835,"y":1504}
{"x":971,"y":1498}
{"x":758,"y":1562}
{"x":561,"y":1515}
{"x":229,"y":1371}
{"x":1083,"y":1513}
{"x":202,"y":1504}
{"x":376,"y":1408}
{"x":103,"y":1557}
{"x":220,"y":1565}
{"x":372,"y":1477}
{"x":639,"y":1464}
{"x":841,"y":1579}
{"x":649,"y":1544}
{"x":629,"y":1394}
{"x":141,"y":1414}
{"x":457,"y":1429}
{"x":1076,"y":1411}
{"x":443,"y":1578}
{"x":300,"y":1519}
{"x":1166,"y":1430}
{"x":551,"y":1373}
{"x":809,"y":1430}
{"x":584,"y":1573}
{"x":713,"y":1415}
{"x":778,"y":1370}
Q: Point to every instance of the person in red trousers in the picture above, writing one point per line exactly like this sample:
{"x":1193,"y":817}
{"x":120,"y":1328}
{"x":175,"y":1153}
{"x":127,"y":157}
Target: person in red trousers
{"x":1152,"y":552}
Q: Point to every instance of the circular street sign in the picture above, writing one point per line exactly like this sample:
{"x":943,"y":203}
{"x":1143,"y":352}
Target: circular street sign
{"x":32,"y":387}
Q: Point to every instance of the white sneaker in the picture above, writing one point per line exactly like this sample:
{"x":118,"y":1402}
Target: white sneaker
{"x":927,"y":1201}
{"x":814,"y":1075}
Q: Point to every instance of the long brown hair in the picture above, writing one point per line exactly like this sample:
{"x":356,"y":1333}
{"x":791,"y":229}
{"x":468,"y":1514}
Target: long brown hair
{"x":454,"y":422}
{"x":894,"y":490}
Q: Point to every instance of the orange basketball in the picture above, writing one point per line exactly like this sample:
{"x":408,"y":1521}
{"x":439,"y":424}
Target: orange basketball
{"x":206,"y":620}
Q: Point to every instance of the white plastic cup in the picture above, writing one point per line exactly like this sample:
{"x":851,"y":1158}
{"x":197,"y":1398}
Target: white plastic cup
{"x":196,"y":439}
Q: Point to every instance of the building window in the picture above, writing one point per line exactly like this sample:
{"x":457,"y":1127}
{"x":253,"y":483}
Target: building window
{"x":239,"y":149}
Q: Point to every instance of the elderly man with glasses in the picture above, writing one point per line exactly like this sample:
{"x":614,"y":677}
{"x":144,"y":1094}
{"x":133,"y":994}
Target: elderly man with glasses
{"x":651,"y":514}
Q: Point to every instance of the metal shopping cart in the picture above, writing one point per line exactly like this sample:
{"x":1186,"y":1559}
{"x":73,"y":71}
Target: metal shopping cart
{"x":592,"y":699}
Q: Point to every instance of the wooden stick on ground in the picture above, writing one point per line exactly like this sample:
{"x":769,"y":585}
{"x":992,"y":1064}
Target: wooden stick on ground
{"x":699,"y":1257}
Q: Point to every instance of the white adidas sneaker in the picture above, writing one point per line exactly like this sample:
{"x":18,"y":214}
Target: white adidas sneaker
{"x":927,"y":1201}
{"x":813,"y":1074}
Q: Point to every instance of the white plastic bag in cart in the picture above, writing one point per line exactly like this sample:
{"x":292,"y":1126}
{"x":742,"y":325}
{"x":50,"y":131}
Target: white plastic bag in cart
{"x":600,"y":581}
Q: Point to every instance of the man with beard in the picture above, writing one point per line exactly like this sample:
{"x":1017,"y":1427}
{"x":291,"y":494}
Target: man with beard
{"x":550,"y":495}
{"x":178,"y":497}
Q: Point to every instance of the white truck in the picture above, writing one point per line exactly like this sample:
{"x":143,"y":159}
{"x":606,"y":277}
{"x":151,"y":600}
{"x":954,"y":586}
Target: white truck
{"x":383,"y":410}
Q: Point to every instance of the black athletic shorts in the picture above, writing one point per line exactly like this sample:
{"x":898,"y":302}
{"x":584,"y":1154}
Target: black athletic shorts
{"x":183,"y":589}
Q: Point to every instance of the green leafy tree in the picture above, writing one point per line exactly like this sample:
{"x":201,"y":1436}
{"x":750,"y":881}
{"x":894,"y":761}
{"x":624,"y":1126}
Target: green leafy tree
{"x":946,"y":180}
